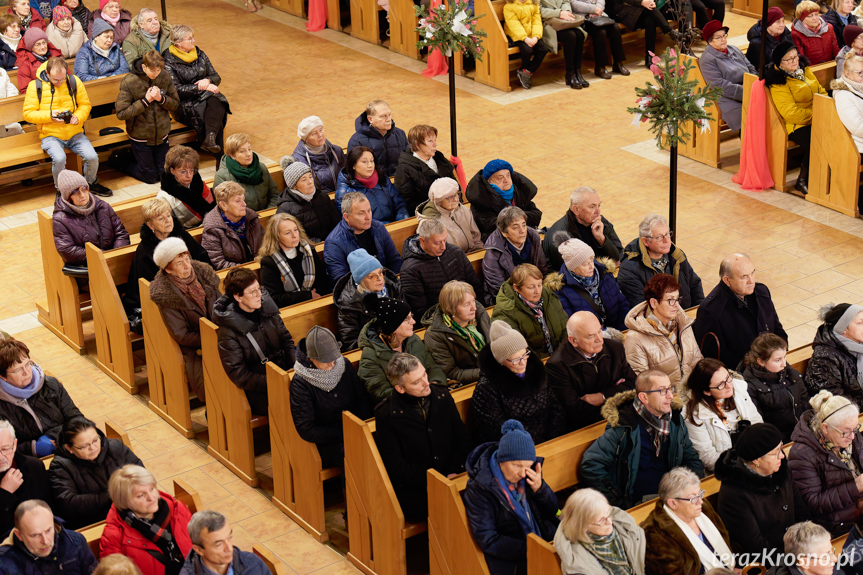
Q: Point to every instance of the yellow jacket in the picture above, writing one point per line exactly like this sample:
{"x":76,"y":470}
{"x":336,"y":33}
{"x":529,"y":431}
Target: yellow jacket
{"x":522,"y":20}
{"x":794,"y":98}
{"x":39,"y":113}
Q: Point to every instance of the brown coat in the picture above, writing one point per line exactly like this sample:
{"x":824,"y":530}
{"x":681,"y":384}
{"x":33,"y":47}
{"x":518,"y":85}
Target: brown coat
{"x":669,"y":552}
{"x":224,"y":245}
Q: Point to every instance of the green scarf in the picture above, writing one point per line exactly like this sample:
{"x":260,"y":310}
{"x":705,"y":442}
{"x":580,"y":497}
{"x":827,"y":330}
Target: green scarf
{"x":470,"y":333}
{"x":250,"y":175}
{"x":610,"y":553}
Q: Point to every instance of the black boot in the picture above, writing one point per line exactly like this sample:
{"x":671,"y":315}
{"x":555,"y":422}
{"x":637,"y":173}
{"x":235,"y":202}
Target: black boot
{"x":601,"y":72}
{"x":568,"y":78}
{"x":619,"y":68}
{"x":578,"y":78}
{"x":802,"y":183}
{"x":210,"y":144}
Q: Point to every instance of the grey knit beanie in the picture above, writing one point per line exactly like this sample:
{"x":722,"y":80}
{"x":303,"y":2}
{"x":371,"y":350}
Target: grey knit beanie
{"x":167,"y":250}
{"x":293,"y":171}
{"x":68,"y":182}
{"x":505,"y":341}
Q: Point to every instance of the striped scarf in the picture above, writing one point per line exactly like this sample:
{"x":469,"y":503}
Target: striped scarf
{"x":289,"y":281}
{"x":610,"y":553}
{"x":659,"y":427}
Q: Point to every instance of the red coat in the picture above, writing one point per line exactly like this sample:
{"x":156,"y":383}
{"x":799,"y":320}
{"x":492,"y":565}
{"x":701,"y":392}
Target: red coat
{"x":36,"y":20}
{"x":818,"y":49}
{"x":121,"y":538}
{"x":28,"y":65}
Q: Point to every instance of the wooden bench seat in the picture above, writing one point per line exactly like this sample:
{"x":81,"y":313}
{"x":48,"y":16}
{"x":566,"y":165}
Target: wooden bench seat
{"x":834,"y":168}
{"x":704,"y":148}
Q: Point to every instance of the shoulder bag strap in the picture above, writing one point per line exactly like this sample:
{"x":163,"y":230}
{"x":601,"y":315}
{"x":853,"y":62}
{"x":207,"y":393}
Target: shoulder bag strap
{"x":255,"y":345}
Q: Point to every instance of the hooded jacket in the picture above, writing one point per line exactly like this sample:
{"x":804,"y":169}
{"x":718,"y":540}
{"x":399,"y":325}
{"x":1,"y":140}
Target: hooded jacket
{"x":187,"y":204}
{"x":511,"y":309}
{"x":793,"y":98}
{"x":459,"y":223}
{"x":67,"y":42}
{"x":832,"y":367}
{"x":351,"y":312}
{"x":72,"y":231}
{"x":136,"y":44}
{"x":450,"y":351}
{"x":35,"y":486}
{"x":49,"y":6}
{"x":753,"y":53}
{"x":90,"y":65}
{"x":319,"y":217}
{"x":271,"y":278}
{"x":778,"y":403}
{"x":849,"y":106}
{"x":192,"y":100}
{"x":486,"y":204}
{"x":387,"y":205}
{"x":574,"y":298}
{"x":414,"y":177}
{"x":39,"y":112}
{"x":71,"y":555}
{"x":44,"y":413}
{"x":325,"y":166}
{"x":576,"y":559}
{"x":819,"y":46}
{"x":636,"y":270}
{"x":497,"y":264}
{"x":386,"y":148}
{"x":121,"y":30}
{"x":244,"y":563}
{"x":342,"y":241}
{"x":146,"y":122}
{"x":669,"y":552}
{"x":224,"y":246}
{"x":569,"y":223}
{"x":28,"y":64}
{"x":259,"y":196}
{"x":833,"y":19}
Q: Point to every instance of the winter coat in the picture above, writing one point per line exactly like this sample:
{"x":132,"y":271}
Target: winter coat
{"x":576,"y":559}
{"x":832,"y":18}
{"x":82,"y":15}
{"x":28,"y":64}
{"x":486,"y":204}
{"x":146,"y":122}
{"x":414,"y":177}
{"x":423,"y":276}
{"x":725,"y":70}
{"x":509,"y":308}
{"x":350,"y":311}
{"x":7,"y":88}
{"x":414,"y":436}
{"x":735,"y":325}
{"x":271,"y":278}
{"x":574,"y":298}
{"x":259,"y":196}
{"x":120,"y":537}
{"x":80,"y":486}
{"x":500,"y":395}
{"x":71,"y":555}
{"x":669,"y":552}
{"x":376,"y":356}
{"x":90,"y":65}
{"x":852,"y":553}
{"x":549,"y":9}
{"x":779,"y":404}
{"x":325,"y":166}
{"x":450,"y":351}
{"x":522,"y":20}
{"x":387,"y":205}
{"x":35,"y":486}
{"x":818,"y":47}
{"x":8,"y":57}
{"x":459,"y":223}
{"x":636,"y":270}
{"x":342,"y":241}
{"x":494,"y":524}
{"x":136,"y":44}
{"x":753,"y":53}
{"x":569,"y":223}
{"x":224,"y":246}
{"x":67,"y":42}
{"x":39,"y":112}
{"x":192,"y":100}
{"x":187,"y":204}
{"x":849,"y":106}
{"x":628,"y":13}
{"x":72,"y":230}
{"x":318,"y":217}
{"x":244,"y":563}
{"x":647,"y":348}
{"x":611,"y":463}
{"x":572,"y":376}
{"x":386,"y":148}
{"x":36,"y":20}
{"x":793,"y":98}
{"x":823,"y":481}
{"x":497,"y":264}
{"x":121,"y":30}
{"x":44,"y":413}
{"x":48,"y":6}
{"x":832,"y":367}
{"x":840,"y":63}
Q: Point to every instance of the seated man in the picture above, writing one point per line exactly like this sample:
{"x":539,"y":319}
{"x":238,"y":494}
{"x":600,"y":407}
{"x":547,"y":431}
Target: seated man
{"x":645,"y":438}
{"x":213,"y":549}
{"x":22,"y":477}
{"x":582,"y":221}
{"x":52,"y":95}
{"x":587,"y":370}
{"x":358,"y":230}
{"x":653,"y":253}
{"x":39,"y":544}
{"x":408,"y":447}
{"x":375,"y":129}
{"x":147,"y":33}
{"x":251,"y":333}
{"x":430,"y":262}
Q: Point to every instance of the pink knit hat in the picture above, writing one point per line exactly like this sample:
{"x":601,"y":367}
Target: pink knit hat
{"x":575,"y":252}
{"x":442,"y":187}
{"x":33,"y":35}
{"x":59,"y":13}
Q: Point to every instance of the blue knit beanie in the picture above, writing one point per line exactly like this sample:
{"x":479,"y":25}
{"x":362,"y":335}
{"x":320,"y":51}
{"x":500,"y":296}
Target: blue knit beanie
{"x":516,"y":444}
{"x":496,"y":166}
{"x":362,"y":264}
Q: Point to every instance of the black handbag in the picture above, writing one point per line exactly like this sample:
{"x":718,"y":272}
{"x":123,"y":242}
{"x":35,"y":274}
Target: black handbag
{"x":76,"y":271}
{"x":600,"y":21}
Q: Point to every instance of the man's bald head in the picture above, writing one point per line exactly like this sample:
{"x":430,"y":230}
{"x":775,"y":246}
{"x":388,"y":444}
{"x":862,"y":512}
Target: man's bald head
{"x":738,"y":273}
{"x":585,"y":332}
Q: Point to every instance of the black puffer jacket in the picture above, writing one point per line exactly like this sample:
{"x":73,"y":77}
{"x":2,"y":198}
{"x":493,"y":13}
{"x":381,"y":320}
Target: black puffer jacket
{"x":414,"y":177}
{"x":80,"y":486}
{"x":780,"y":398}
{"x":192,"y":100}
{"x":832,"y":367}
{"x":72,"y":231}
{"x":486,"y":204}
{"x":147,"y":122}
{"x":386,"y":148}
{"x":52,"y":406}
{"x":351,"y":312}
{"x":318,"y":217}
{"x":753,"y":53}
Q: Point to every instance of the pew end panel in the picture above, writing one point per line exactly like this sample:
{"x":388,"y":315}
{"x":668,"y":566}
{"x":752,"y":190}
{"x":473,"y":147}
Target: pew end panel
{"x":541,"y":556}
{"x":835,"y":166}
{"x":187,"y":494}
{"x":452,"y":548}
{"x":364,"y":21}
{"x":403,"y":24}
{"x":751,"y":8}
{"x":494,"y":69}
{"x":294,"y":7}
{"x":271,"y":561}
{"x":703,"y":147}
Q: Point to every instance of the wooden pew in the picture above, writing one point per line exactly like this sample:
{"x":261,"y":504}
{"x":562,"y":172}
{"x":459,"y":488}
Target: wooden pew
{"x":271,"y":561}
{"x":751,"y":8}
{"x":364,"y":20}
{"x":295,"y":7}
{"x":834,"y":169}
{"x":704,"y":148}
{"x":403,"y":24}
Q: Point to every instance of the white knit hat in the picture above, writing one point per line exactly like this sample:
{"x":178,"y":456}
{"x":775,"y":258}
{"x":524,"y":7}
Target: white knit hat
{"x":575,"y":252}
{"x":505,"y":341}
{"x":307,"y":125}
{"x":167,"y":250}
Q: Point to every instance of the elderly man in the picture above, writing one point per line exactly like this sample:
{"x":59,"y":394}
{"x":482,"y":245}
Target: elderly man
{"x":735,"y":313}
{"x":430,"y":263}
{"x":810,"y":544}
{"x":39,"y":544}
{"x":21,"y":477}
{"x":587,"y":370}
{"x":358,"y":230}
{"x":147,"y":33}
{"x":582,"y":221}
{"x":651,"y":253}
{"x":213,"y":549}
{"x":375,"y":129}
{"x":646,"y":438}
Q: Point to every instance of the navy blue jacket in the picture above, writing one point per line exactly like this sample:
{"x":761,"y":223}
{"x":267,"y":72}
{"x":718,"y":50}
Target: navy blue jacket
{"x":385,"y":148}
{"x":342,"y":241}
{"x":616,"y":305}
{"x":7,"y":57}
{"x":387,"y":204}
{"x":90,"y":65}
{"x":244,"y":563}
{"x":71,"y":556}
{"x":325,"y":167}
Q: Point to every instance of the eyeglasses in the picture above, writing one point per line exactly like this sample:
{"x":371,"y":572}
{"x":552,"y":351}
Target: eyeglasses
{"x":256,"y":291}
{"x":185,"y":173}
{"x":692,"y":500}
{"x":672,"y":301}
{"x":791,"y":59}
{"x":7,"y":450}
{"x":451,"y":198}
{"x":858,"y":73}
{"x":845,"y":434}
{"x":520,"y":360}
{"x":88,"y":446}
{"x":603,"y":521}
{"x":721,"y":385}
{"x":663,"y":391}
{"x":661,"y":238}
{"x":716,"y":37}
{"x":22,"y":369}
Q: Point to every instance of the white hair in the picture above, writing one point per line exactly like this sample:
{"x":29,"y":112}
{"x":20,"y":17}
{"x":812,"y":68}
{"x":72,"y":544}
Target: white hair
{"x":675,"y":482}
{"x":145,"y":11}
{"x":578,"y":195}
{"x":645,"y":228}
{"x":5,"y":425}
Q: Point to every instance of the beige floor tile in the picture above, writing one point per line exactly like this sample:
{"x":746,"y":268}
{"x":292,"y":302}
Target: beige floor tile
{"x":302,"y":553}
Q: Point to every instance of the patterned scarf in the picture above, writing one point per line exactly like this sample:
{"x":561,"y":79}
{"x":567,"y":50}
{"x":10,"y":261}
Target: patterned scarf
{"x":83,"y":210}
{"x":239,"y":227}
{"x":25,"y":22}
{"x":660,"y":264}
{"x":590,"y":285}
{"x":515,"y":495}
{"x":158,"y":531}
{"x":325,"y":380}
{"x":536,"y":308}
{"x":288,"y":279}
{"x":609,"y":551}
{"x":469,"y":333}
{"x":250,"y":175}
{"x":670,"y":332}
{"x":798,"y":74}
{"x":844,"y":454}
{"x":192,"y":289}
{"x":659,"y":427}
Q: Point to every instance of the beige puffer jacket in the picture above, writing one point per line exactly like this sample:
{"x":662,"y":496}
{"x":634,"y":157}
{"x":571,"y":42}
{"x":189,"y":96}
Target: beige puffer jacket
{"x":462,"y":228}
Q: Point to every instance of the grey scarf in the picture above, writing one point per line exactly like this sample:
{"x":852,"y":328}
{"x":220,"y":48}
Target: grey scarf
{"x":307,"y":197}
{"x":151,"y":38}
{"x":290,"y":282}
{"x":85,"y":210}
{"x":321,"y":378}
{"x":856,"y":349}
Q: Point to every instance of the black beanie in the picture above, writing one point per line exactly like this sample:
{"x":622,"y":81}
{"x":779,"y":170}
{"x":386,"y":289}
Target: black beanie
{"x":834,"y":314}
{"x":781,"y":50}
{"x":757,"y":440}
{"x":389,"y":312}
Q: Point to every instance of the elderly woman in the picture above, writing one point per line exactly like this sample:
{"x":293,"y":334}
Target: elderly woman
{"x":81,"y":217}
{"x":813,"y":548}
{"x":723,"y":66}
{"x":240,"y":164}
{"x":420,"y":167}
{"x":776,"y":32}
{"x":717,"y":409}
{"x":367,"y":276}
{"x":826,"y":461}
{"x":119,"y":19}
{"x":316,"y":151}
{"x":10,"y":34}
{"x":513,"y":385}
{"x":814,"y":37}
{"x":495,"y":187}
{"x":457,"y":330}
{"x":202,"y":105}
{"x":79,"y":12}
{"x":65,"y":32}
{"x":232,"y":232}
{"x":145,"y":524}
{"x":595,"y":538}
{"x":513,"y":243}
{"x":37,"y":405}
{"x":81,"y":469}
{"x":848,"y":91}
{"x":182,"y":187}
{"x":28,"y":17}
{"x":532,"y":309}
{"x":591,"y":10}
{"x":360,"y":175}
{"x":853,"y":36}
{"x":444,"y":203}
{"x":100,"y":57}
{"x":837,"y":349}
{"x":291,"y":269}
{"x":306,"y":202}
{"x":660,"y":333}
{"x":32,"y":52}
{"x":839,"y":17}
{"x":584,"y":284}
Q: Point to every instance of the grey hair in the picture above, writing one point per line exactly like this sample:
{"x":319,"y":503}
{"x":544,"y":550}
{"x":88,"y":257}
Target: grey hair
{"x":801,"y":537}
{"x":675,"y":482}
{"x":430,"y":227}
{"x":400,"y":364}
{"x":578,"y":194}
{"x":580,"y":510}
{"x":5,"y":425}
{"x":508,"y":216}
{"x":826,"y":405}
{"x":144,"y":11}
{"x":645,"y":228}
{"x":180,"y":32}
{"x":726,"y":268}
{"x":371,"y":107}
{"x":206,"y":519}
{"x":349,"y":199}
{"x":26,"y":506}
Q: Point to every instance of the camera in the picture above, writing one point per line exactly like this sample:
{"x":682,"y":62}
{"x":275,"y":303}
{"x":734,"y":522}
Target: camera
{"x":65,"y":116}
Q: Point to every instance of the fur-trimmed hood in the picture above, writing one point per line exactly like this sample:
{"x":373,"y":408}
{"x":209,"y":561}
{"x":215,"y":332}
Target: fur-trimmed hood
{"x":773,"y":76}
{"x":164,"y":294}
{"x":731,"y":469}
{"x":556,"y":280}
{"x":618,"y":406}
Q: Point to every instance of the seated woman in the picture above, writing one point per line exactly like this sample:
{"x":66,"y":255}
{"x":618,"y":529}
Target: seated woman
{"x":391,"y":331}
{"x":65,"y":32}
{"x":826,"y":460}
{"x":495,"y":187}
{"x":232,"y":232}
{"x":203,"y":107}
{"x":316,"y":151}
{"x":457,"y":330}
{"x":419,"y":168}
{"x":444,"y":203}
{"x":531,"y":309}
{"x":182,"y":187}
{"x":32,"y":52}
{"x":777,"y":32}
{"x":10,"y":34}
{"x":837,"y":346}
{"x":584,"y":284}
{"x":660,"y":333}
{"x":814,"y":38}
{"x":595,"y":538}
{"x":309,"y":204}
{"x":646,"y":14}
{"x":240,"y":164}
{"x":79,"y":12}
{"x":506,"y":499}
{"x":360,"y":175}
{"x":840,"y":16}
{"x":100,"y":57}
{"x":185,"y":289}
{"x":717,"y":409}
{"x":513,"y":243}
{"x":81,"y":469}
{"x":8,"y":90}
{"x":853,"y":44}
{"x":145,"y":524}
{"x":523,"y":27}
{"x":776,"y":388}
{"x":512,"y":385}
{"x":81,"y":217}
{"x":591,"y":10}
{"x":118,"y":17}
{"x":37,"y":405}
{"x":28,"y":17}
{"x":723,"y":66}
{"x":684,"y":535}
{"x":367,"y":276}
{"x":291,"y":269}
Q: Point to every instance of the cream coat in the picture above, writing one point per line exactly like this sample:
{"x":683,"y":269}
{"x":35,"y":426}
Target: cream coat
{"x":849,"y":106}
{"x":67,"y":44}
{"x":575,"y":559}
{"x":646,"y":348}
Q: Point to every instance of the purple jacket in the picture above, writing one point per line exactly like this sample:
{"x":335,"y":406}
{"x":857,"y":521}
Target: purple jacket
{"x":224,"y":245}
{"x":71,"y":230}
{"x":325,"y":167}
